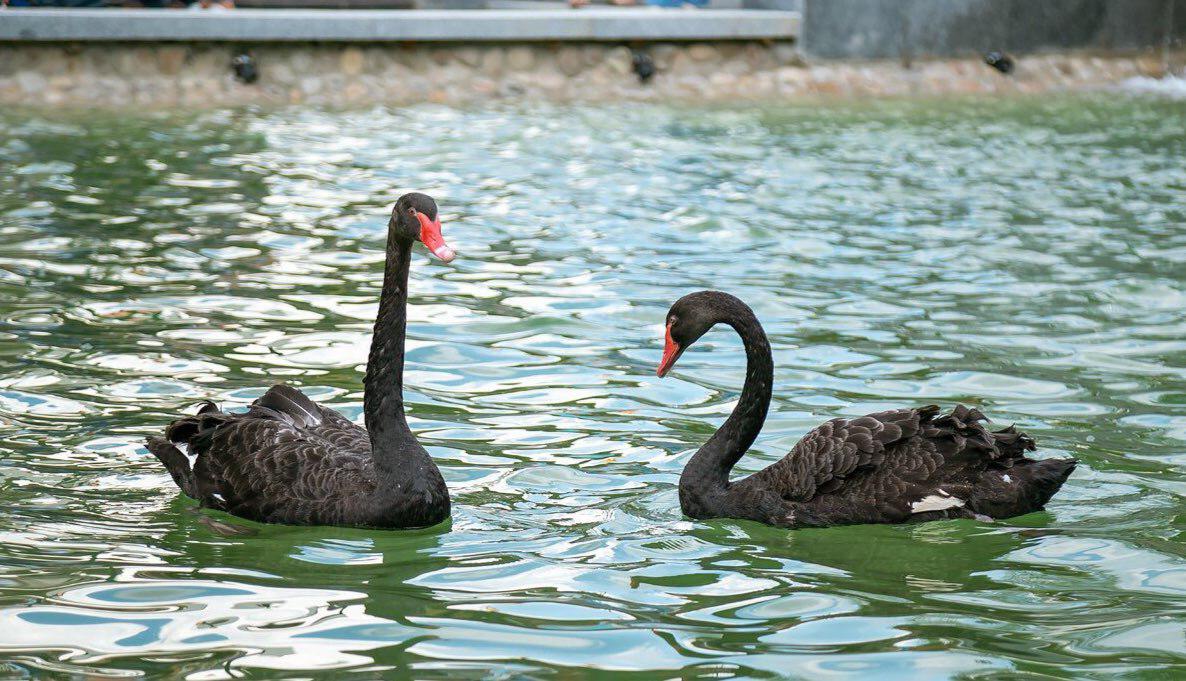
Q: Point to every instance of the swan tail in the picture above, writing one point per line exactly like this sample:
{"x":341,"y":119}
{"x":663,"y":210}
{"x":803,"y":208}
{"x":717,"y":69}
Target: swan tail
{"x":1007,"y":482}
{"x":185,"y":429}
{"x":175,"y":462}
{"x":1048,"y":477}
{"x":1024,"y":487}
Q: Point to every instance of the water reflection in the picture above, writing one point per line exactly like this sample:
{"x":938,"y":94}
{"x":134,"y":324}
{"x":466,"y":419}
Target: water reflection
{"x":1027,"y":260}
{"x":248,"y":626}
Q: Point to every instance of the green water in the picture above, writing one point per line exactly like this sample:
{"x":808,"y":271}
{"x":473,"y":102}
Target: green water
{"x":1027,"y":257}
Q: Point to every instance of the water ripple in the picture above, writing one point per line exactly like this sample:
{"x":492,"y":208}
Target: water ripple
{"x":1025,"y":256}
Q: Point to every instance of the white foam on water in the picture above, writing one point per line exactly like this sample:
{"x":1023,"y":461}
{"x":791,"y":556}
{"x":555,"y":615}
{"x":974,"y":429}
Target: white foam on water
{"x":1169,"y":86}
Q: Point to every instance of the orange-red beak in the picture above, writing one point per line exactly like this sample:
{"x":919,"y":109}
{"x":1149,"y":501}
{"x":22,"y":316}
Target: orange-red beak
{"x":671,"y":352}
{"x":430,"y":236}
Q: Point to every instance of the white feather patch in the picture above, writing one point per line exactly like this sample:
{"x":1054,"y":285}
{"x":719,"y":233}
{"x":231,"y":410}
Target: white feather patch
{"x":1006,"y":478}
{"x":218,"y":496}
{"x":934,"y":502}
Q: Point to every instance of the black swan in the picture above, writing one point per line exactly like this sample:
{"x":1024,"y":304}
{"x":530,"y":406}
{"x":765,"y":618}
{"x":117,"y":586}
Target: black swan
{"x":289,"y":460}
{"x":891,"y":467}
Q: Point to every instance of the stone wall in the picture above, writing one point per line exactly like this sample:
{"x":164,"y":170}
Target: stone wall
{"x":199,"y":75}
{"x":909,"y":29}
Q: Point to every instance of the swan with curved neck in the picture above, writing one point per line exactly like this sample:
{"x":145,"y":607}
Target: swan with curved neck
{"x":889,"y":467}
{"x":290,"y":460}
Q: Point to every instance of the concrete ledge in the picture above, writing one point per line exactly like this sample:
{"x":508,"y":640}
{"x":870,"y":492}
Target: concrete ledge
{"x":512,"y":25}
{"x":198,"y":74}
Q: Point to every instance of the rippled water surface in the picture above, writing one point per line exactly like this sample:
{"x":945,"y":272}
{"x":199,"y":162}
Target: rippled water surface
{"x":1028,"y":257}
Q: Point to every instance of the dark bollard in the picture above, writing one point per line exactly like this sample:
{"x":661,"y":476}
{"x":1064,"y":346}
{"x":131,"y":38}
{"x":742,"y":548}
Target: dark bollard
{"x":644,"y":66}
{"x":999,"y":61}
{"x":244,"y":68}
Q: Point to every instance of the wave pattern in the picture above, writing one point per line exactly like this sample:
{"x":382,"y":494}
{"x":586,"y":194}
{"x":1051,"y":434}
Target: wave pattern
{"x":1026,"y":256}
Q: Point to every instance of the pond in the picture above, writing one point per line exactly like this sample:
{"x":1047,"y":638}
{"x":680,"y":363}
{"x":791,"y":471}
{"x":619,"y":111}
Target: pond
{"x":1026,"y":256}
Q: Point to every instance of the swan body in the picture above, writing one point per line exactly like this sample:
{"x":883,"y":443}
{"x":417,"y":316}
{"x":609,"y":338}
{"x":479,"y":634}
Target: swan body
{"x":895,"y":466}
{"x":290,"y":460}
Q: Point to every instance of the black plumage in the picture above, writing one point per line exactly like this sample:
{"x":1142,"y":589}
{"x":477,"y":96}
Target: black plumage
{"x":290,"y":460}
{"x":890,"y":467}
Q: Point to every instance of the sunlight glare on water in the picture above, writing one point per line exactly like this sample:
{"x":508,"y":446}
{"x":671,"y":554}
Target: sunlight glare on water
{"x":1023,"y":256}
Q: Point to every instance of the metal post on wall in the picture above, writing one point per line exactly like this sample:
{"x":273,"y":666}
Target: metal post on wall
{"x":1168,"y":36}
{"x":905,"y":54}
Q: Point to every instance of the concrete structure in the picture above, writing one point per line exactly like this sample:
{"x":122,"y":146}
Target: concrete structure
{"x":114,"y":57}
{"x":844,"y":29}
{"x":512,"y":25}
{"x":345,"y":74}
{"x":911,"y":29}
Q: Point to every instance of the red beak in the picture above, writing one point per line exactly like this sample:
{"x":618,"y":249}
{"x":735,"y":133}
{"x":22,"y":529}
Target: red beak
{"x":430,"y":236}
{"x":671,"y":352}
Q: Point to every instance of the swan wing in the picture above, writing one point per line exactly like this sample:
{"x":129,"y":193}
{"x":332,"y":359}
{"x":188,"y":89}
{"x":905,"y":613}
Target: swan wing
{"x":911,"y":464}
{"x":294,"y":407}
{"x":837,"y":450}
{"x":269,"y":470}
{"x":286,"y":459}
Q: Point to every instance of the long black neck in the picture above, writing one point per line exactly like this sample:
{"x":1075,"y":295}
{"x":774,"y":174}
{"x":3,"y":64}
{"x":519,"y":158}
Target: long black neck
{"x":383,"y":401}
{"x":707,"y":474}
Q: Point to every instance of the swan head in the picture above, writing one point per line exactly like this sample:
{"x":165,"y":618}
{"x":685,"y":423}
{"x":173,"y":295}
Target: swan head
{"x":690,"y":318}
{"x":415,"y":217}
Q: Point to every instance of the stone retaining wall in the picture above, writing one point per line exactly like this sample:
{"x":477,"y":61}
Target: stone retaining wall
{"x":199,"y":75}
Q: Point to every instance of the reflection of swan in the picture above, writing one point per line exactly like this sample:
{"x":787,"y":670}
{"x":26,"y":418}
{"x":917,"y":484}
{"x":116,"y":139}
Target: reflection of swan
{"x":289,"y":460}
{"x":890,"y":467}
{"x":277,"y":627}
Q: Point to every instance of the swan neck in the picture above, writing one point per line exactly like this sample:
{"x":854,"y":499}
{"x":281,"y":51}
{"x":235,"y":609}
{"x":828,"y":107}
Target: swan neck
{"x":383,"y":401}
{"x":708,"y":471}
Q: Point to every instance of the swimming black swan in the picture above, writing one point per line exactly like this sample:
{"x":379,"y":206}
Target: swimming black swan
{"x":890,"y":467}
{"x":288,"y":460}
